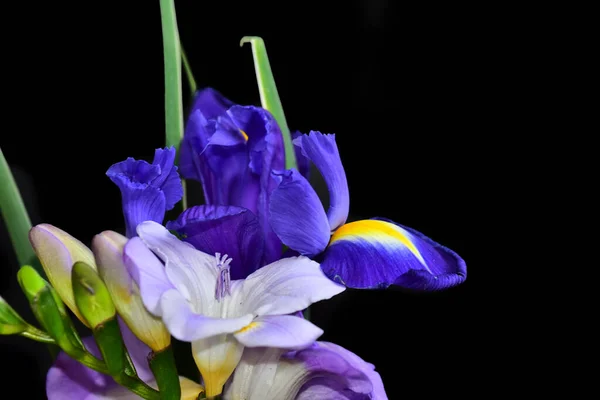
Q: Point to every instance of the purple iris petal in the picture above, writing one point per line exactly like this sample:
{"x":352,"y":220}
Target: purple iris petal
{"x":297,"y":215}
{"x":266,"y":155}
{"x":229,"y":230}
{"x":373,"y":254}
{"x":232,"y":150}
{"x":211,"y":103}
{"x":301,"y":160}
{"x":323,"y":152}
{"x":147,"y":190}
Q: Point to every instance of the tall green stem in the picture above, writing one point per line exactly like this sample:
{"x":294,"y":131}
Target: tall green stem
{"x":172,"y":60}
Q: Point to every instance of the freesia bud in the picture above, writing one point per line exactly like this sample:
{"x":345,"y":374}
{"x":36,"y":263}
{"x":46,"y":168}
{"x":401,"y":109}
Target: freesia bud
{"x":58,"y":251}
{"x":91,"y":295}
{"x":108,"y":250}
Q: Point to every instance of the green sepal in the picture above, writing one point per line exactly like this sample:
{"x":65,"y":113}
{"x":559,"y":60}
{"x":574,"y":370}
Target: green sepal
{"x":162,"y":364}
{"x":91,"y":295}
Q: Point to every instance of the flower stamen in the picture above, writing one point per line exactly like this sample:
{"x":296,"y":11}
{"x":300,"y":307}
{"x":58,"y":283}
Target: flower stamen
{"x":223,"y":286}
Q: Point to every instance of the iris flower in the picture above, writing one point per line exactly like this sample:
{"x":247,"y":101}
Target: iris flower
{"x":366,"y":254}
{"x":198,"y":301}
{"x":322,"y":371}
{"x":68,"y":379}
{"x":147,"y":190}
{"x":233,"y":150}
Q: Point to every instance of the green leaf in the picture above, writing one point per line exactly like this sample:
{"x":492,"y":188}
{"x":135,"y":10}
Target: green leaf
{"x":91,"y":295}
{"x":188,"y":72}
{"x":162,"y":364}
{"x":15,"y":215}
{"x":269,"y":97}
{"x":172,"y":62}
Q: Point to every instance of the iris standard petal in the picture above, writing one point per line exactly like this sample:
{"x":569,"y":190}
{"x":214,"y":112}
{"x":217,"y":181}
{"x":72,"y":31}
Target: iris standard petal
{"x":148,"y":272}
{"x":230,"y":230}
{"x":191,"y":164}
{"x":285,"y":286}
{"x":186,"y":325}
{"x":301,"y":160}
{"x":371,"y":254}
{"x":281,"y":331}
{"x":57,"y":252}
{"x":323,"y":152}
{"x":266,"y":154}
{"x":211,"y":103}
{"x":297,"y":215}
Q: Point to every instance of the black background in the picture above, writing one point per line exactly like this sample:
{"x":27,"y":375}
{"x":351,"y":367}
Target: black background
{"x":409,"y":92}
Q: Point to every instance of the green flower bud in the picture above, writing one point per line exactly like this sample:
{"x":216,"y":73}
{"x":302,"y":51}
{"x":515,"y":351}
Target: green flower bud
{"x":91,"y":295}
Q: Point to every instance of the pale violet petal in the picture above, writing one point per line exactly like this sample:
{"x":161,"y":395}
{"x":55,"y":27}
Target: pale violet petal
{"x":186,"y":325}
{"x":148,"y":272}
{"x":191,"y":271}
{"x":281,"y":331}
{"x":285,"y":286}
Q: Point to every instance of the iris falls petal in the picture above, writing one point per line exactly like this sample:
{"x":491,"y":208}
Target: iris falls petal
{"x":377,"y":253}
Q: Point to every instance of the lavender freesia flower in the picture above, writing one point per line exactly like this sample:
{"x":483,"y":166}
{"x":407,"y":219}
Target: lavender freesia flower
{"x":199,"y":303}
{"x":322,"y":371}
{"x":365,"y":254}
{"x":147,"y":190}
{"x":232,"y":150}
{"x":68,"y":379}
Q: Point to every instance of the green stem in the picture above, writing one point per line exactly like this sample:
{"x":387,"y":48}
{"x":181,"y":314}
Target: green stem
{"x":269,"y":97}
{"x":111,"y":345}
{"x":188,"y":71}
{"x":163,"y":367}
{"x":15,"y":215}
{"x":172,"y":60}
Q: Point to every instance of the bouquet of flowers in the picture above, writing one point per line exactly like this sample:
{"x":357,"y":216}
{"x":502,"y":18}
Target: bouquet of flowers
{"x":233,"y":276}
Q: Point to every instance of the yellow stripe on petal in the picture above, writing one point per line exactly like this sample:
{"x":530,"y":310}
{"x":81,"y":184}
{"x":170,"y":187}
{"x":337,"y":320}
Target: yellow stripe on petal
{"x":248,"y":327}
{"x":376,"y":231}
{"x":244,"y":134}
